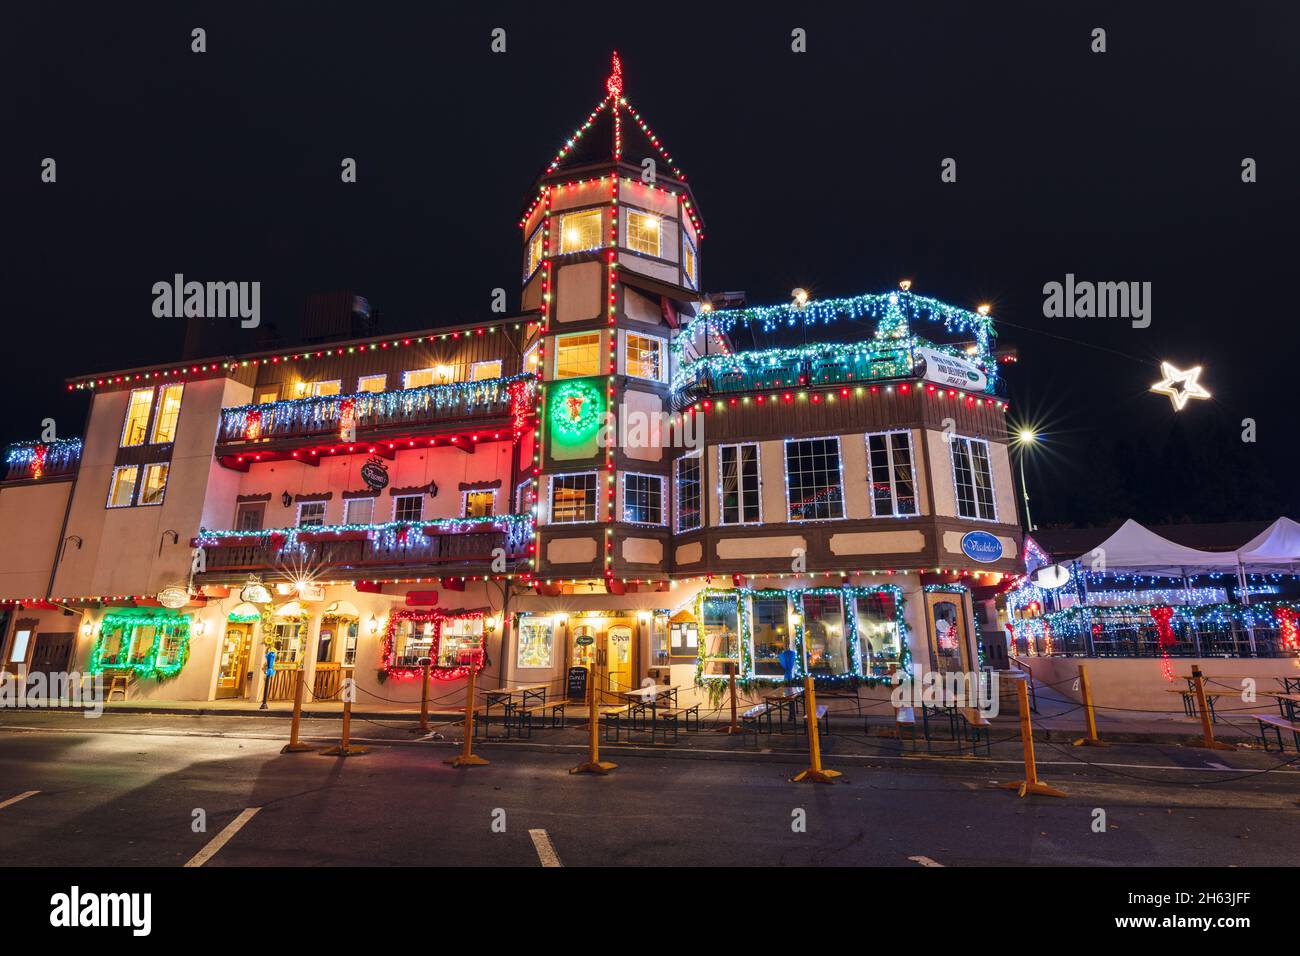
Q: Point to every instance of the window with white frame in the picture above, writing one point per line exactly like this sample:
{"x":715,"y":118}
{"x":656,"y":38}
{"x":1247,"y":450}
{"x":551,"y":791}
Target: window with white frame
{"x":891,"y":474}
{"x":813,"y":486}
{"x":408,"y":508}
{"x":644,"y":233}
{"x":577,"y":355}
{"x":359,"y":511}
{"x":573,"y":498}
{"x":155,"y":483}
{"x":524,"y":497}
{"x":643,"y":356}
{"x":643,"y":498}
{"x":137,"y":417}
{"x":372,"y":383}
{"x":535,"y":248}
{"x":121,"y":487}
{"x":689,"y":263}
{"x":580,"y":231}
{"x":418,"y":377}
{"x":686,"y":474}
{"x":481,"y":370}
{"x":334,"y":387}
{"x":972,"y":478}
{"x":169,"y":412}
{"x":478,"y":504}
{"x":311,"y":514}
{"x":738,"y":484}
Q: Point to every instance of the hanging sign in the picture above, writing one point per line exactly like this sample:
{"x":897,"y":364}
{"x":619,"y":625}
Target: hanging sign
{"x":949,"y":370}
{"x":174,"y":597}
{"x":375,"y":474}
{"x":981,"y":546}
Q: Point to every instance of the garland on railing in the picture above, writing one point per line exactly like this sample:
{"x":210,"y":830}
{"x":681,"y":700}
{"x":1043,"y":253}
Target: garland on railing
{"x":1082,"y":619}
{"x":165,"y":624}
{"x":518,"y":529}
{"x":325,"y":412}
{"x":897,"y":361}
{"x":38,"y":457}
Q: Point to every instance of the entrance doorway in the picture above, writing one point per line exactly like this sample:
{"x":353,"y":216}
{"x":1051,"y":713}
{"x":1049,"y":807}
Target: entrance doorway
{"x":618,"y":659}
{"x":946,"y":617}
{"x":52,"y":653}
{"x":234,"y":661}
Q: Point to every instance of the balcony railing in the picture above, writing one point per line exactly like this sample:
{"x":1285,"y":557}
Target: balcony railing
{"x":378,"y":412}
{"x":450,"y":543}
{"x":32,"y":460}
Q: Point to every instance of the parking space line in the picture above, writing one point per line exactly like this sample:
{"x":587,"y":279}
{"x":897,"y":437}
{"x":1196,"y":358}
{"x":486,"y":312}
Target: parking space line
{"x":925,"y":861}
{"x":21,"y":796}
{"x":545,"y":851}
{"x":222,"y":838}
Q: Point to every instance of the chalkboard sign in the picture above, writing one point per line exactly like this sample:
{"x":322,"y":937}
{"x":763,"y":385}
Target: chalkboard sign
{"x":577,"y":683}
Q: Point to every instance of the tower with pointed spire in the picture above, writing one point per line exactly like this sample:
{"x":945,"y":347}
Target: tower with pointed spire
{"x":611,"y":261}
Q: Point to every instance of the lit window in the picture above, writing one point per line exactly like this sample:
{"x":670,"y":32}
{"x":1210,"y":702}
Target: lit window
{"x":643,"y":233}
{"x":580,"y":231}
{"x":311,"y":514}
{"x":359,"y":511}
{"x":812,"y":479}
{"x":577,"y":355}
{"x":481,"y":370}
{"x":524,"y":497}
{"x":739,"y":484}
{"x":688,"y":492}
{"x":121,"y":489}
{"x":324,"y":388}
{"x":460,"y":642}
{"x":825,"y":642}
{"x":643,"y":499}
{"x":879,"y":643}
{"x":573,"y":498}
{"x":416,"y":378}
{"x":169,"y":410}
{"x":973,"y":478}
{"x":534,"y":252}
{"x":408,"y":508}
{"x":536,"y":642}
{"x":478,"y":504}
{"x":268,"y":396}
{"x":372,"y":383}
{"x":531,"y":358}
{"x":688,"y":263}
{"x":770,"y":631}
{"x":18,"y":653}
{"x":644,"y":356}
{"x":137,"y":417}
{"x":893,"y":484}
{"x":155,"y":484}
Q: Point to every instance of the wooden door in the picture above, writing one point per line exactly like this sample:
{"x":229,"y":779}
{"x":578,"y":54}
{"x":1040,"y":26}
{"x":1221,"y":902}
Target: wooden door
{"x":234,"y":661}
{"x":52,"y":653}
{"x":946,"y":622}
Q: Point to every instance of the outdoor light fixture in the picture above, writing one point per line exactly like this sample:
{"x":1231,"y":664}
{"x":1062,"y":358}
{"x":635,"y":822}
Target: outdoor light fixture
{"x":198,"y":628}
{"x":373,"y":624}
{"x":905,"y":285}
{"x":800,"y":297}
{"x":286,"y":499}
{"x":983,"y":308}
{"x":87,"y":628}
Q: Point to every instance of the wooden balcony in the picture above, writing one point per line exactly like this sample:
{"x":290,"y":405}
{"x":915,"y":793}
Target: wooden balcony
{"x":32,"y":461}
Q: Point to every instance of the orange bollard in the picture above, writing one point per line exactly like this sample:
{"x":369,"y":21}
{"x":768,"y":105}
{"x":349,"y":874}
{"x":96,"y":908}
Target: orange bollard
{"x":424,"y":698}
{"x":1031,"y":783}
{"x":594,"y":764}
{"x":345,"y":749}
{"x":734,"y":726}
{"x":295,"y":746}
{"x":815,"y":773}
{"x":1091,"y":740}
{"x":1207,"y":728}
{"x":467,"y":756}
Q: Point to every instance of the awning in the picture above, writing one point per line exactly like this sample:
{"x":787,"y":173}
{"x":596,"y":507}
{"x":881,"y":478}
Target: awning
{"x":1275,"y":549}
{"x":1134,"y":548}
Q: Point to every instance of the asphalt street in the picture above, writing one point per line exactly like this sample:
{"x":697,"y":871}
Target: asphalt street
{"x":127,"y":792}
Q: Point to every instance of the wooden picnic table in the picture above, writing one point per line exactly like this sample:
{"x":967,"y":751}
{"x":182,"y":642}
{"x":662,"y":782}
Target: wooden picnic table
{"x":649,"y":696}
{"x":785,"y":701}
{"x":505,"y":698}
{"x":1286,"y":703}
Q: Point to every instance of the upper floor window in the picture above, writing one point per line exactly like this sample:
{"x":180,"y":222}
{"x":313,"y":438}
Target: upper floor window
{"x":372,"y":383}
{"x":169,"y":412}
{"x":580,"y":231}
{"x":534,"y":252}
{"x":311,"y":514}
{"x":320,"y":388}
{"x":688,"y":263}
{"x":137,"y":417}
{"x":687,"y":475}
{"x":972,"y":477}
{"x":478,"y":504}
{"x":418,"y":377}
{"x":408,"y":508}
{"x":250,"y":515}
{"x":813,"y":486}
{"x":643,"y":498}
{"x":577,"y":355}
{"x":268,"y":395}
{"x":644,"y":233}
{"x":481,"y":370}
{"x":121,"y":487}
{"x":739,"y":484}
{"x":892,"y":477}
{"x":644,"y":356}
{"x":573,"y":498}
{"x":359,"y":511}
{"x":155,"y":483}
{"x":524,"y":497}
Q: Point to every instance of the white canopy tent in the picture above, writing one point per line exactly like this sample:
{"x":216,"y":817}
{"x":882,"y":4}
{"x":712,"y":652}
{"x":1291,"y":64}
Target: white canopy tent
{"x":1275,"y":549}
{"x":1134,"y":548}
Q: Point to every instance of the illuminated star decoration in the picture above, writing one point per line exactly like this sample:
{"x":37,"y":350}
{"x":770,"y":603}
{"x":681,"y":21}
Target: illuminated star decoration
{"x":1174,"y":377}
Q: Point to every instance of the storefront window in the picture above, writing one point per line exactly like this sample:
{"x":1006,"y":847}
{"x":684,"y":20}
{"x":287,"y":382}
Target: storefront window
{"x":536,"y":642}
{"x":721,"y":634}
{"x":824,"y":635}
{"x":114,"y":644}
{"x":412,"y":640}
{"x":141,"y":644}
{"x":460,"y":643}
{"x":350,"y":631}
{"x":289,"y":637}
{"x":879,"y":643}
{"x":171,"y":647}
{"x":659,"y":640}
{"x":770,"y":628}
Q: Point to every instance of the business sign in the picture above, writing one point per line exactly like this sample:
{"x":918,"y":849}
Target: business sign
{"x":951,"y":371}
{"x":981,"y":546}
{"x":576,"y":684}
{"x":584,"y":641}
{"x":375,"y":474}
{"x":1052,"y":576}
{"x":174,"y":597}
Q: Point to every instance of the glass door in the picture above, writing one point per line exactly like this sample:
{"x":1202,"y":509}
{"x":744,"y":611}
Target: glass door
{"x":234,"y":662}
{"x":947,"y":632}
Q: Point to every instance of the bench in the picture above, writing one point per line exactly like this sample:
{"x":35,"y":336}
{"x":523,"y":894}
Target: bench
{"x":823,"y":717}
{"x":1277,"y":724}
{"x":554,"y":712}
{"x":684,"y":714}
{"x":904,"y":717}
{"x":975,"y":728}
{"x":1189,"y":701}
{"x":755,"y":716}
{"x":613,"y":718}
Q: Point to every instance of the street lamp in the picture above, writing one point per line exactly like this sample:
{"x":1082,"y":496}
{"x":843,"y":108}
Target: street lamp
{"x":1025,"y":438}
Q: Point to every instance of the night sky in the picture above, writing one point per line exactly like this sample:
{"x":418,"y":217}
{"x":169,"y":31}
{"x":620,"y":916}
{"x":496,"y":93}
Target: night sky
{"x":818,"y":170}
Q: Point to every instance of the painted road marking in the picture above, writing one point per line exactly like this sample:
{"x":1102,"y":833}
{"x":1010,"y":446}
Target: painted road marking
{"x":925,"y":861}
{"x":22,"y":796}
{"x":1218,"y":766}
{"x":222,"y":838}
{"x":545,"y":851}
